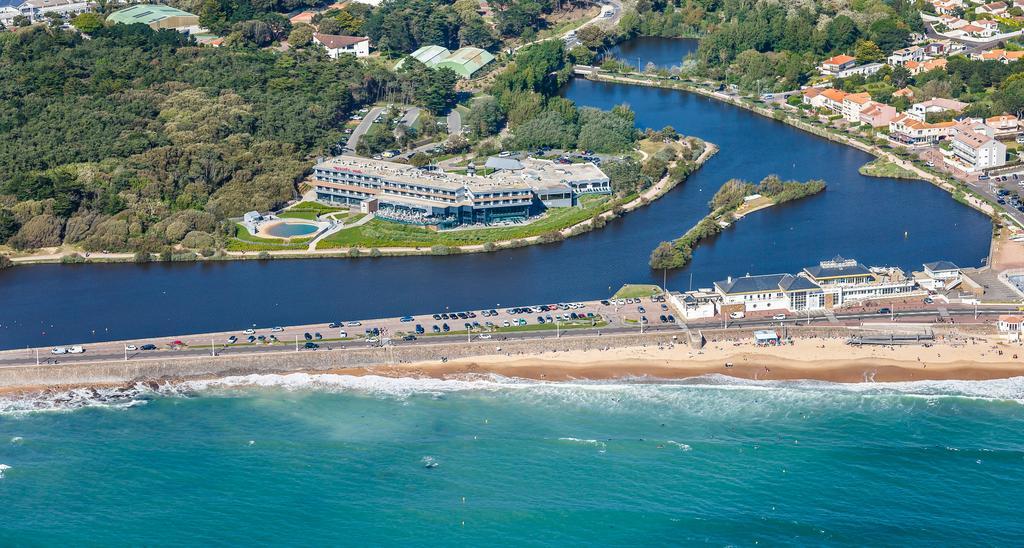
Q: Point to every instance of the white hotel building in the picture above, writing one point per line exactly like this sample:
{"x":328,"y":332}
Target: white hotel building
{"x":406,"y":194}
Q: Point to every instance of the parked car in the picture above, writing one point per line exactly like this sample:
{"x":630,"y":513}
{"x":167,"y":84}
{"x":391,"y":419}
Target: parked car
{"x":276,"y":329}
{"x":318,"y":336}
{"x":437,"y":316}
{"x":483,"y":336}
{"x":59,"y":350}
{"x":445,"y":327}
{"x":76,"y":350}
{"x":249,"y":331}
{"x":232,"y":339}
{"x":409,"y":338}
{"x":928,"y":300}
{"x":312,"y":345}
{"x":131,"y":347}
{"x":307,"y":336}
{"x":419,"y":329}
{"x":354,"y":324}
{"x":885,"y":310}
{"x":342,"y":334}
{"x":407,"y":319}
{"x":334,"y":325}
{"x":779,"y":317}
{"x":436,"y":329}
{"x":148,"y":347}
{"x":737,"y":315}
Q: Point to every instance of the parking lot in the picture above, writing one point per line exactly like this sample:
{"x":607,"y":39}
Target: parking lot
{"x":539,"y":320}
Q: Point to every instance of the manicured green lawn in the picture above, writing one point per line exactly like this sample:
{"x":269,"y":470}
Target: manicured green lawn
{"x":290,"y":214}
{"x":379,"y":233}
{"x":632,"y":291}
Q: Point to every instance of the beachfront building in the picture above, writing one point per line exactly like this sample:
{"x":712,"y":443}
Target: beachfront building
{"x":853,"y":103}
{"x":156,"y":17}
{"x":909,"y":131}
{"x":829,"y":284}
{"x":1010,"y":324}
{"x":36,"y":10}
{"x":338,"y":45}
{"x":434,"y":198}
{"x":939,"y":276}
{"x":974,"y":148}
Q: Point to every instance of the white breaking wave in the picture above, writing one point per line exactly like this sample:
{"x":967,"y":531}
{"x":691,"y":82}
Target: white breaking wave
{"x":16,"y":440}
{"x":681,"y":446}
{"x":702,"y":392}
{"x":3,"y":468}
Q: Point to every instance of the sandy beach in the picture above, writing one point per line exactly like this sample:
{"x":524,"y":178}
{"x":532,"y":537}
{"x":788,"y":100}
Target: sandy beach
{"x":831,"y":360}
{"x":971,"y":358}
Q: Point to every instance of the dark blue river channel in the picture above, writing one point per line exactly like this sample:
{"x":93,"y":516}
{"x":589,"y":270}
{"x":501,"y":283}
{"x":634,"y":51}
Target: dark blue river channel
{"x":879,"y":221}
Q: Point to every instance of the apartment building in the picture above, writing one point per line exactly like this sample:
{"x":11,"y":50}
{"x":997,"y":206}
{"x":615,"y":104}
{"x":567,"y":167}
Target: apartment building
{"x":973,"y":147}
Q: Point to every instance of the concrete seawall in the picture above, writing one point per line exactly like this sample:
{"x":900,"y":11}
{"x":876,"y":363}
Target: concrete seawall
{"x":323,"y":360}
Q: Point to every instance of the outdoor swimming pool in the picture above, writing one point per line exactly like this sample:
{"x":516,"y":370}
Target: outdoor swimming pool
{"x":289,"y":229}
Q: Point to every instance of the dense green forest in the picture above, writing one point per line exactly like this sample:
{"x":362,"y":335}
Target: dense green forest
{"x":136,"y":139}
{"x":763,"y":46}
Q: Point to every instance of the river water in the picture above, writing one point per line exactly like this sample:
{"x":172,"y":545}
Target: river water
{"x":663,"y":52}
{"x":878,"y":221}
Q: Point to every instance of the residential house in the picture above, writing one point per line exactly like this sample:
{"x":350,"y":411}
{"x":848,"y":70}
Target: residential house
{"x":834,"y":99}
{"x":974,"y":148}
{"x":837,"y":64}
{"x":35,"y":10}
{"x":940,"y":48}
{"x":916,"y":68}
{"x":814,"y":97}
{"x":853,"y":103}
{"x":1003,"y":125}
{"x":906,"y":130}
{"x":938,"y":104}
{"x":7,"y":15}
{"x":995,"y":8}
{"x":905,"y":92}
{"x":337,"y":45}
{"x":950,"y":7}
{"x":877,"y":114}
{"x":305,"y":17}
{"x":1001,"y":55}
{"x":901,"y":56}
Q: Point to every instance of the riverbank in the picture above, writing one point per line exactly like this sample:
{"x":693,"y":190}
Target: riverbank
{"x":960,"y":192}
{"x":968,"y":352}
{"x":615,"y":209}
{"x":883,"y":168}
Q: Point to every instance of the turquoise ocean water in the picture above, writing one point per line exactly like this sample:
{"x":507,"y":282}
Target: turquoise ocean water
{"x":301,"y":460}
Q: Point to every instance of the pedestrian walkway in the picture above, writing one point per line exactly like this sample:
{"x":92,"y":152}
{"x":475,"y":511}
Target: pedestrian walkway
{"x":831,"y":317}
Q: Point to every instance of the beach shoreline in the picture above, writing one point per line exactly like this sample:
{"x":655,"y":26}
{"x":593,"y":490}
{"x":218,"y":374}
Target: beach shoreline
{"x":973,"y":358}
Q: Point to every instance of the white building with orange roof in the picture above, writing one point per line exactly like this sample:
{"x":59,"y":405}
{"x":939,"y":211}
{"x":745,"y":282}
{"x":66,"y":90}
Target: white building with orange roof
{"x":902,"y":56}
{"x":1010,"y":323}
{"x":853,"y":103}
{"x":1001,"y":55}
{"x":814,"y":97}
{"x":909,"y":131}
{"x":924,"y":66}
{"x":833,"y":99}
{"x":905,"y":92}
{"x":836,"y":64}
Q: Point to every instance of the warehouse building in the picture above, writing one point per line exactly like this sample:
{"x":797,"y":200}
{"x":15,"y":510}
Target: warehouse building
{"x":464,"y":61}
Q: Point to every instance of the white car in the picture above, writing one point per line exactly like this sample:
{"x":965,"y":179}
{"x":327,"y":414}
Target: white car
{"x":276,"y":329}
{"x":779,"y":317}
{"x":76,"y":350}
{"x":506,"y":324}
{"x":342,"y":335}
{"x":249,"y":332}
{"x":737,"y":315}
{"x":484,"y":336}
{"x":354,"y":324}
{"x":59,"y":350}
{"x":131,"y":348}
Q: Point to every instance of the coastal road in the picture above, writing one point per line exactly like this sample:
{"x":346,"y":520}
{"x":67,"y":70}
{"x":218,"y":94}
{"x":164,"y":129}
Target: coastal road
{"x":363,"y":127}
{"x":292,"y":338}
